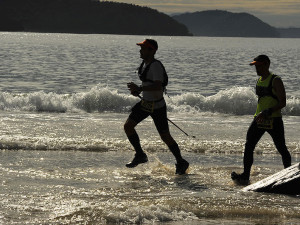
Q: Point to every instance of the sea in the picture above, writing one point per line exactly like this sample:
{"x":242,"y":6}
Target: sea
{"x":63,"y":104}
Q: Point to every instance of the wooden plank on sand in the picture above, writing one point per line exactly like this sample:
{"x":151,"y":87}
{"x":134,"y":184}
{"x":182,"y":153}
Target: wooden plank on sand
{"x":286,"y":181}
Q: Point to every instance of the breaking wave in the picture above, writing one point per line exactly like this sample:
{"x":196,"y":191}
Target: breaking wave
{"x":235,"y":101}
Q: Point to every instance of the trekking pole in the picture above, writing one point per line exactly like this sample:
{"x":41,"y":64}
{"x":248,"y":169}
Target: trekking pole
{"x":180,"y":128}
{"x":174,"y":124}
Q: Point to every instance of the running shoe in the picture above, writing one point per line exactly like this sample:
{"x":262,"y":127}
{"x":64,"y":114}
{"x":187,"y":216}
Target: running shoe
{"x":138,"y":159}
{"x":181,"y":167}
{"x":240,"y":178}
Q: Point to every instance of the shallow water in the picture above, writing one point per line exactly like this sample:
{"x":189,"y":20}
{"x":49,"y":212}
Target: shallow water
{"x":71,"y":187}
{"x":63,"y":103}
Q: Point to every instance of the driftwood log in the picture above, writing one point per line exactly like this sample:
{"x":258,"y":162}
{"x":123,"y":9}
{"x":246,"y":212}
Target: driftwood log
{"x":286,"y":181}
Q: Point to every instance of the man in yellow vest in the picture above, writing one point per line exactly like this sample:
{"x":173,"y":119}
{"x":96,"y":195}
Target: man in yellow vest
{"x":271,"y":99}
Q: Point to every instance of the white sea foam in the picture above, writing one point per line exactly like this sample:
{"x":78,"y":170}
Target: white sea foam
{"x":235,"y":101}
{"x":150,"y":146}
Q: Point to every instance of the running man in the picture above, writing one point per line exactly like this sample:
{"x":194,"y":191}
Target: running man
{"x":271,"y":99}
{"x":154,"y":79}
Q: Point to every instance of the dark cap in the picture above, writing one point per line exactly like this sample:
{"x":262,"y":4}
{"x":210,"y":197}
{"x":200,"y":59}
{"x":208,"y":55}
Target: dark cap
{"x":259,"y":60}
{"x":149,"y":43}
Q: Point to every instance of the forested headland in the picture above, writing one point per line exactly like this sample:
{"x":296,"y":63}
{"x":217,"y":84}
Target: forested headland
{"x":86,"y":16}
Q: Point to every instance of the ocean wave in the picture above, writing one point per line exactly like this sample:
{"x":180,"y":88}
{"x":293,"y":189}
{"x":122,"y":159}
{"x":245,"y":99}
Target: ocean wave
{"x":98,"y":99}
{"x":150,"y":146}
{"x":234,"y":101}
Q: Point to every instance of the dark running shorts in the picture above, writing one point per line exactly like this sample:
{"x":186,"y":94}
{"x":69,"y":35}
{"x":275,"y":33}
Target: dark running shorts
{"x":159,"y":117}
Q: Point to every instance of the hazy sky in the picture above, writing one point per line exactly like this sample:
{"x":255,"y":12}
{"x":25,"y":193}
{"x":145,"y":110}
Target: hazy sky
{"x":278,"y":13}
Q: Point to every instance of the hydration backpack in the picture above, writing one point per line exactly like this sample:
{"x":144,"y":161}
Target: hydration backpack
{"x":266,"y":91}
{"x":143,"y":75}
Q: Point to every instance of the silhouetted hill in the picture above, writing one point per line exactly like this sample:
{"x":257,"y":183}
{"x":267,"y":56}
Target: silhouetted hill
{"x":85,"y":16}
{"x":219,"y":23}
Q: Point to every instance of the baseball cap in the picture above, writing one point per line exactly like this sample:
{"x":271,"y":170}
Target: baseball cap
{"x":149,"y":43}
{"x":259,"y":60}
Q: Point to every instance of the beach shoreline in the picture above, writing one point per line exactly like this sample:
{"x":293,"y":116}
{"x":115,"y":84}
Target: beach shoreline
{"x":57,"y":187}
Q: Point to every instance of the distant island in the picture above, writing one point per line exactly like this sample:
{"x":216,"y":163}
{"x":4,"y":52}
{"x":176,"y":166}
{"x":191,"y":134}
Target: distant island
{"x":289,"y":32}
{"x":218,"y":23}
{"x":86,"y":16}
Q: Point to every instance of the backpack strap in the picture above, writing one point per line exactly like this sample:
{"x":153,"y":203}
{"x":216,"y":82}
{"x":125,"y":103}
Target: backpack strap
{"x":143,"y":73}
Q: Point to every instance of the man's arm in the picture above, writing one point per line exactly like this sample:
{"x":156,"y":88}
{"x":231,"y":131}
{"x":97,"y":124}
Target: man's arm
{"x":281,"y":95}
{"x":156,"y":86}
{"x":136,"y":90}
